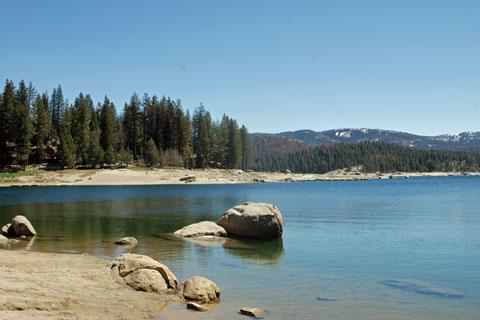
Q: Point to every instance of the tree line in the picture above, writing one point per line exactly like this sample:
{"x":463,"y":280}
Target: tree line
{"x":371,"y":156}
{"x":36,"y":128}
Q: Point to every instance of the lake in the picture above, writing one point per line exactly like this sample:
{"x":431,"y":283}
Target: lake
{"x":380,"y":249}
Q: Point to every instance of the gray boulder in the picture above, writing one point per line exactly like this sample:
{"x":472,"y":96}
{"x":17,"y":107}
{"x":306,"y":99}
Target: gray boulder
{"x":199,"y":289}
{"x":22,"y":226}
{"x":147,"y":280}
{"x":128,"y":241}
{"x":128,"y":263}
{"x":204,"y":228}
{"x":253,"y":220}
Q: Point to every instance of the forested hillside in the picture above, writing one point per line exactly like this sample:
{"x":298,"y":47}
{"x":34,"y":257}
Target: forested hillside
{"x":38,"y":127}
{"x":371,"y":157}
{"x":464,"y":141}
{"x":263,"y":144}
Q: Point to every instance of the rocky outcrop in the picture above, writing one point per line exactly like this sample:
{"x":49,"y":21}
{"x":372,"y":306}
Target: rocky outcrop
{"x":199,"y":289}
{"x":254,"y":220}
{"x":127,"y":241}
{"x":252,"y":312}
{"x":129,"y":263}
{"x":204,"y":228}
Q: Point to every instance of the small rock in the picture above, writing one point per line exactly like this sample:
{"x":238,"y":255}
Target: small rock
{"x":199,"y":289}
{"x":23,"y":236}
{"x":204,"y":228}
{"x":22,"y":226}
{"x":3,"y":239}
{"x":7,"y":230}
{"x":130,"y":241}
{"x":196,"y":307}
{"x":252,"y":312}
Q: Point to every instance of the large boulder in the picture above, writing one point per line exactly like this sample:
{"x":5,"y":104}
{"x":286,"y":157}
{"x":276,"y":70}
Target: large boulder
{"x":147,"y":280}
{"x":253,"y":220}
{"x":22,"y":226}
{"x":199,"y":289}
{"x":128,"y":263}
{"x":204,"y":228}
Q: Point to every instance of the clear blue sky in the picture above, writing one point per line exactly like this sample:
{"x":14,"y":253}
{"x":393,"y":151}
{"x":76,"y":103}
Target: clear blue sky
{"x":273,"y":65}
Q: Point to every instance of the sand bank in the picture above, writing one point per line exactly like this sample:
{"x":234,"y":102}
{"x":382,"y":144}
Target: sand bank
{"x":144,"y":176}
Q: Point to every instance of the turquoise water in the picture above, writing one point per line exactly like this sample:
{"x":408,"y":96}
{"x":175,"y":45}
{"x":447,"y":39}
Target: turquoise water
{"x":345,"y":243}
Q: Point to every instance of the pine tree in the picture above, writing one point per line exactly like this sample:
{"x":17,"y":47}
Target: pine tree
{"x":7,"y":123}
{"x":202,"y":131}
{"x":66,"y":155}
{"x":81,"y":127}
{"x":95,"y":152}
{"x":42,"y":122}
{"x":246,"y":148}
{"x":57,"y":104}
{"x":106,"y":124}
{"x":23,"y":125}
{"x":152,"y":157}
{"x":132,"y":126}
{"x":233,"y":147}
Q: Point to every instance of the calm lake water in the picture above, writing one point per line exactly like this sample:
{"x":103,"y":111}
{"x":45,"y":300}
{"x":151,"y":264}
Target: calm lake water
{"x":383,"y":249}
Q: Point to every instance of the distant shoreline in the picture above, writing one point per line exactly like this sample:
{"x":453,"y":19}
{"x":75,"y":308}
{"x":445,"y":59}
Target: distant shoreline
{"x":179,"y":176}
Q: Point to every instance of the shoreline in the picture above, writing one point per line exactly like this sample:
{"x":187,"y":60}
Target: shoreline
{"x":176,"y":176}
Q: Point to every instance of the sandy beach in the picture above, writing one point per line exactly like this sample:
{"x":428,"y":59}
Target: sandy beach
{"x":38,"y":285}
{"x":175,"y":176}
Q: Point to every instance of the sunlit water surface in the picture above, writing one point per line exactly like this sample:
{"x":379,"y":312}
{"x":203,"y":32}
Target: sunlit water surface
{"x":343,"y":243}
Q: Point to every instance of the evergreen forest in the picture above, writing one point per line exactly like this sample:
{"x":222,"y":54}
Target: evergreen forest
{"x":370,"y":156}
{"x":41,"y":128}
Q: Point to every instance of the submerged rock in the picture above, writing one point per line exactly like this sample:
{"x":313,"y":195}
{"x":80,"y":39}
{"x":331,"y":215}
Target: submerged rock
{"x":199,"y":289}
{"x":204,"y":228}
{"x":254,"y":220}
{"x":252,"y":312}
{"x":128,"y":241}
{"x":128,"y":263}
{"x":196,"y":307}
{"x":22,"y":226}
{"x":422,"y":288}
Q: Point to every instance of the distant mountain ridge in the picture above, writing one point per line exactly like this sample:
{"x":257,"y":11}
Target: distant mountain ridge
{"x":465,"y":141}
